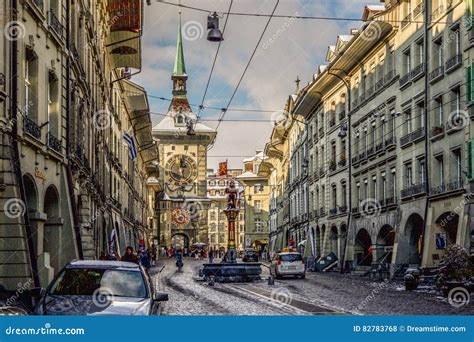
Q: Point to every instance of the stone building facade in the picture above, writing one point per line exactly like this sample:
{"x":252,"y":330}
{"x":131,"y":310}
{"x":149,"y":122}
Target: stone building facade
{"x":66,"y":181}
{"x":389,"y":138}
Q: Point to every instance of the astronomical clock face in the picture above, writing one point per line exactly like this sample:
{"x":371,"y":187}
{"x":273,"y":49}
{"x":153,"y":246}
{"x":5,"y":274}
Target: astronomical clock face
{"x":180,"y":217}
{"x":181,"y":169}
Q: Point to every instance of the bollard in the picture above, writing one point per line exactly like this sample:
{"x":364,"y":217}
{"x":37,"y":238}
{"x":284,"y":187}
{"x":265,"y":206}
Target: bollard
{"x":271,"y":280}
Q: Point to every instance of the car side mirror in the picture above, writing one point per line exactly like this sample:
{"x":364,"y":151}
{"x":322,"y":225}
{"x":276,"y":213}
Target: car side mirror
{"x":161,"y":296}
{"x":37,"y":292}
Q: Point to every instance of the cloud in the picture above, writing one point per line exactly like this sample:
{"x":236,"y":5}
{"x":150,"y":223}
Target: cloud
{"x":289,"y":48}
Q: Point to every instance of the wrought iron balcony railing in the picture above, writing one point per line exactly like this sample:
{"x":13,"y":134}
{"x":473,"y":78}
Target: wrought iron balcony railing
{"x":404,"y":80}
{"x":437,"y":73}
{"x":418,"y":71}
{"x":39,"y":4}
{"x":55,"y":24}
{"x":54,"y":143}
{"x":32,"y":128}
{"x":437,"y":131}
{"x":418,"y":134}
{"x":453,"y":62}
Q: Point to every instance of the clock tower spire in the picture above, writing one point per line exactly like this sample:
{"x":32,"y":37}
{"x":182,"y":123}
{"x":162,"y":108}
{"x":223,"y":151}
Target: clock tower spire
{"x":179,"y":76}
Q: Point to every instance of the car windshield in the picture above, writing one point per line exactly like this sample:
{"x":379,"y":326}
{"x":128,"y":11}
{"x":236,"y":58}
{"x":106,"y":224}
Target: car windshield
{"x":84,"y":281}
{"x":290,"y":257}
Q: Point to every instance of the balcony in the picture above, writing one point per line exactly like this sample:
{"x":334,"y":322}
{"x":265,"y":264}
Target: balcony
{"x":456,"y":185}
{"x":437,"y":13}
{"x":321,"y":131}
{"x":418,"y":10}
{"x":322,"y":172}
{"x":418,"y":134}
{"x":437,"y":74}
{"x":418,"y":71}
{"x":413,"y":190}
{"x":389,"y":201}
{"x":405,"y":80}
{"x":389,"y":76}
{"x":332,"y":165}
{"x":39,"y":4}
{"x":370,"y":91}
{"x":370,"y":151}
{"x":322,"y":212}
{"x":355,"y":209}
{"x":355,"y":159}
{"x":405,"y":140}
{"x":342,"y":162}
{"x":343,"y":208}
{"x":362,"y":156}
{"x":54,"y":143}
{"x":332,"y":122}
{"x":355,"y":103}
{"x":332,"y":211}
{"x":379,"y":84}
{"x":437,"y":132}
{"x":32,"y":128}
{"x":390,"y":142}
{"x":55,"y":24}
{"x":405,"y":21}
{"x":342,"y":115}
{"x":379,"y":147}
{"x":453,"y":63}
{"x":362,"y":98}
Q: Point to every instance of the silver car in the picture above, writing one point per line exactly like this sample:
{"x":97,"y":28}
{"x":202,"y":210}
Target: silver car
{"x":288,"y":264}
{"x":96,"y":287}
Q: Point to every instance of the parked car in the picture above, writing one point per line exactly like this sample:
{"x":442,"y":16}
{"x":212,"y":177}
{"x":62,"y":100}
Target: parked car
{"x":99,"y":287}
{"x":288,"y":264}
{"x":250,"y":256}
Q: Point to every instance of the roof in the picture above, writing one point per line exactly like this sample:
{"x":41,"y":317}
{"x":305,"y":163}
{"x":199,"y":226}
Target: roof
{"x":179,"y":66}
{"x":103,"y":264}
{"x":168,"y":124}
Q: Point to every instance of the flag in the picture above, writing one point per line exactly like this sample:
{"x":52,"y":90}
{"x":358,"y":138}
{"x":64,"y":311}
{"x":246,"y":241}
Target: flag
{"x":223,"y":168}
{"x":132,"y":148}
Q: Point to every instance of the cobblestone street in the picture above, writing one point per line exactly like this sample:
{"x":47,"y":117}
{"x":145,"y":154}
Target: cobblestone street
{"x":319,"y":293}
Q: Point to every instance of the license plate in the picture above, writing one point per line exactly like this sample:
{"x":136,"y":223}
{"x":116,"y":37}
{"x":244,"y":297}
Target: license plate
{"x":291,"y":267}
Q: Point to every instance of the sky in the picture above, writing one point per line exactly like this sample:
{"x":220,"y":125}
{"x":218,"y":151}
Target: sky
{"x":289,"y":48}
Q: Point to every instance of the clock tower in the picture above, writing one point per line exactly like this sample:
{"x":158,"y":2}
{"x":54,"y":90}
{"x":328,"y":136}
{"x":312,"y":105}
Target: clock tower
{"x":182,"y":201}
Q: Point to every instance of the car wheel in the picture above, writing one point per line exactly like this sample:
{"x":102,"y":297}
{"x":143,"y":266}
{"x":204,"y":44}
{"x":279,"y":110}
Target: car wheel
{"x":303,"y":276}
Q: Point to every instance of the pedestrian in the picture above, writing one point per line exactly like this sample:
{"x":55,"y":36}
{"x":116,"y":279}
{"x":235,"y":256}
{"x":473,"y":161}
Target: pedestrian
{"x":211,"y":256}
{"x":129,"y":256}
{"x":196,"y":255}
{"x":152,"y":253}
{"x":144,"y":260}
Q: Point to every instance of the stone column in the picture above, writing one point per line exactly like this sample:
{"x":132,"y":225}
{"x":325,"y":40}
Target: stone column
{"x":232,"y":215}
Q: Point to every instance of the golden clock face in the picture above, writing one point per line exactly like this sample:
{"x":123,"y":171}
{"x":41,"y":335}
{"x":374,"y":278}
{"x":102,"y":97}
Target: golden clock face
{"x":181,"y":169}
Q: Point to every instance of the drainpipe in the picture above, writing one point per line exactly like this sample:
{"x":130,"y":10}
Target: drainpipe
{"x":349,"y":160}
{"x":16,"y":160}
{"x":425,"y":122}
{"x":72,"y":199}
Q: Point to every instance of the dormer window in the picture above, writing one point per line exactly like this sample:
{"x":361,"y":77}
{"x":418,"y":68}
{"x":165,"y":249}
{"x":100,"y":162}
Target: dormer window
{"x":180,"y":120}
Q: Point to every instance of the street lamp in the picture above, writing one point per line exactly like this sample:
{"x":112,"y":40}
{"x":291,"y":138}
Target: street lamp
{"x":215,"y":34}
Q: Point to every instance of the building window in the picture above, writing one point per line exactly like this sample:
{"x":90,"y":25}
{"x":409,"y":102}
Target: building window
{"x":457,"y":164}
{"x":440,"y":170}
{"x":53,"y":108}
{"x":438,"y":110}
{"x":257,"y":207}
{"x":408,"y":175}
{"x":407,"y":61}
{"x":438,"y":58}
{"x":422,"y":171}
{"x":31,"y":84}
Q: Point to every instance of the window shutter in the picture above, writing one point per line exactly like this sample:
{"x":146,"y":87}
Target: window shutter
{"x":470,"y":160}
{"x":469,"y":85}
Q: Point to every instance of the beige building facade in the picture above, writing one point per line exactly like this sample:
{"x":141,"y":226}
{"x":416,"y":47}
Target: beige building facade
{"x":67,"y":184}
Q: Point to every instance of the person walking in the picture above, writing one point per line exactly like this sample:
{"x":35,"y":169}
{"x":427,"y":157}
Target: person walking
{"x":211,"y":256}
{"x":144,"y":260}
{"x":129,"y":256}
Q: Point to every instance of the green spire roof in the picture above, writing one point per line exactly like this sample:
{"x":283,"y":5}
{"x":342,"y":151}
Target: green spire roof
{"x":179,"y":67}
